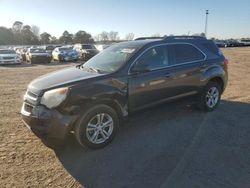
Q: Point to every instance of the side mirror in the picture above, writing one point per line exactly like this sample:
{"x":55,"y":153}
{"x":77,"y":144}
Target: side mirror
{"x":140,"y":68}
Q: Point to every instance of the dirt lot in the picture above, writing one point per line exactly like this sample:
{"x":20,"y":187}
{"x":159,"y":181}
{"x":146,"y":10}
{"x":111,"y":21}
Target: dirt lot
{"x":136,"y":158}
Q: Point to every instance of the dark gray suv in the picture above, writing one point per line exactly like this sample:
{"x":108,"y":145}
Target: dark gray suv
{"x":93,"y":98}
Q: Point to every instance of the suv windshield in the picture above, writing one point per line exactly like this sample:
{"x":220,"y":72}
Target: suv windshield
{"x":109,"y":60}
{"x":65,"y":49}
{"x":88,"y":46}
{"x":49,"y":47}
{"x":7,"y":52}
{"x":37,"y":50}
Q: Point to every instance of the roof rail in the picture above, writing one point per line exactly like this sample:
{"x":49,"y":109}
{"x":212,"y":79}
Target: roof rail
{"x":144,"y":38}
{"x":184,"y":37}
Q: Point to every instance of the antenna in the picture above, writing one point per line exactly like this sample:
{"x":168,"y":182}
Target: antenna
{"x":206,"y":22}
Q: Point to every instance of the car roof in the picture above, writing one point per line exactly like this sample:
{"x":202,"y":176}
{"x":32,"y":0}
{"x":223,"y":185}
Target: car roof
{"x":143,"y":41}
{"x":137,"y":43}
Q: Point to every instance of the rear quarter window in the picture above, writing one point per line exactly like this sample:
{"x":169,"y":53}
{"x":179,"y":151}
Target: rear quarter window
{"x":212,"y":48}
{"x":184,"y":53}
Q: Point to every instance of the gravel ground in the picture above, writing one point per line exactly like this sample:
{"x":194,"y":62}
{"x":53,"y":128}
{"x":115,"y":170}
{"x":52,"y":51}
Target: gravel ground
{"x":170,"y":146}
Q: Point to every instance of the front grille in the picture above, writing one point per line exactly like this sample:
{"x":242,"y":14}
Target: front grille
{"x":28,"y":107}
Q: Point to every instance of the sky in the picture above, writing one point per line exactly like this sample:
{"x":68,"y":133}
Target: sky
{"x":227,"y":18}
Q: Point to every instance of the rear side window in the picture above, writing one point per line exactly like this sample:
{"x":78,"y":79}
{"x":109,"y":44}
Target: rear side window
{"x":212,"y":48}
{"x":184,"y":53}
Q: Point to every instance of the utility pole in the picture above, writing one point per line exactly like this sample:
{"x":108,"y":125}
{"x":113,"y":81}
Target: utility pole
{"x":207,"y":12}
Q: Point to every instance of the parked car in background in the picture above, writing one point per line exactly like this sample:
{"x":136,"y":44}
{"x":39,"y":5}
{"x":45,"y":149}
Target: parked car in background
{"x":9,"y":57}
{"x":233,"y":43}
{"x":23,"y":52}
{"x":221,"y":43}
{"x":86,"y":51}
{"x":49,"y":49}
{"x":37,"y":55}
{"x":92,"y":98}
{"x":65,"y":53}
{"x":245,"y":42}
{"x":19,"y":52}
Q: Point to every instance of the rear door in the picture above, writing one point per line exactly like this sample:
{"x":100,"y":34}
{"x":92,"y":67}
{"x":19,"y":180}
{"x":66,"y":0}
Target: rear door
{"x":186,"y":64}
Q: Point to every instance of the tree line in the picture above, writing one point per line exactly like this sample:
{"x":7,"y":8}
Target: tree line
{"x":21,"y":34}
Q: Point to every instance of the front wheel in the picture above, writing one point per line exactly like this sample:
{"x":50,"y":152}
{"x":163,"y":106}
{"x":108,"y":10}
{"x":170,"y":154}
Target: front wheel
{"x":97,"y":127}
{"x":210,"y":97}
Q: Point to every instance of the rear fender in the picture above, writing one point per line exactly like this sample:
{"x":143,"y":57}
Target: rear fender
{"x":212,"y":73}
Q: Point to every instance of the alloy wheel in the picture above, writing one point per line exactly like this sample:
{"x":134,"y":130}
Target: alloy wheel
{"x":99,"y":128}
{"x":212,"y":97}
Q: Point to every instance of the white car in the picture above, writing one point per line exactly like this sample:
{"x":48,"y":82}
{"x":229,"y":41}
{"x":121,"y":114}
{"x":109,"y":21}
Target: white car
{"x":9,"y":57}
{"x":64,"y":53}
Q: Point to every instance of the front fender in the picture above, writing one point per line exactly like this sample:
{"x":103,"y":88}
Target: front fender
{"x":112,"y":92}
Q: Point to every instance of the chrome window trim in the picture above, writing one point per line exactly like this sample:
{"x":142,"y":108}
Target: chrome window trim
{"x":189,"y":62}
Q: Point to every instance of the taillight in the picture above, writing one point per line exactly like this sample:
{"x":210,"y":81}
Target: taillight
{"x":226,"y":63}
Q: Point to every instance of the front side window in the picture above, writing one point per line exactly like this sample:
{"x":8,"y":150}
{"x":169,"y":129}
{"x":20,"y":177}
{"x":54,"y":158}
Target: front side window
{"x":154,"y":58}
{"x":184,"y":53}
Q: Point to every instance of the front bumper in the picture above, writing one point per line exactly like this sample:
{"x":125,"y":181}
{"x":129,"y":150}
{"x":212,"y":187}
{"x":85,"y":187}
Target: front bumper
{"x":45,"y":122}
{"x":40,"y":59}
{"x":70,"y":58}
{"x":10,"y":62}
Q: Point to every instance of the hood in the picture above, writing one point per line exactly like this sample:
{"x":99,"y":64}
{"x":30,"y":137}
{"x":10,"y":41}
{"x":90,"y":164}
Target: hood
{"x":59,"y":78}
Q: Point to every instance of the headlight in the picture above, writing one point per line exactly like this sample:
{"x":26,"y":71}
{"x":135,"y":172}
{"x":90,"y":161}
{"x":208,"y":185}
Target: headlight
{"x":54,"y":97}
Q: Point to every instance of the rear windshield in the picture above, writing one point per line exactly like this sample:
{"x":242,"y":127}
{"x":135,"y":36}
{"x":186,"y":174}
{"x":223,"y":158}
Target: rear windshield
{"x":39,"y":50}
{"x":50,"y":47}
{"x":7,"y":52}
{"x":64,"y":49}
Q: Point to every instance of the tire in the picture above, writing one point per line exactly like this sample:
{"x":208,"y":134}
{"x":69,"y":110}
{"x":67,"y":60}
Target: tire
{"x":208,"y":102}
{"x":60,"y":58}
{"x":90,"y":120}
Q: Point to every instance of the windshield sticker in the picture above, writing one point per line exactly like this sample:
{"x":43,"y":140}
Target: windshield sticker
{"x":127,"y":50}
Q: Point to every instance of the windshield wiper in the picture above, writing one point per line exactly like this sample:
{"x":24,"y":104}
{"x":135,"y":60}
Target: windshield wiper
{"x":95,"y":70}
{"x":89,"y":69}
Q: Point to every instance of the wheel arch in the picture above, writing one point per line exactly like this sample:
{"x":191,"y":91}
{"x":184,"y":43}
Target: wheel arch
{"x":218,"y":80}
{"x":121,"y":111}
{"x":215,"y":74}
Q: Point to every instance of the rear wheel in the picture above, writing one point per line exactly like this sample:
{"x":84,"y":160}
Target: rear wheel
{"x":97,"y":127}
{"x":210,"y":97}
